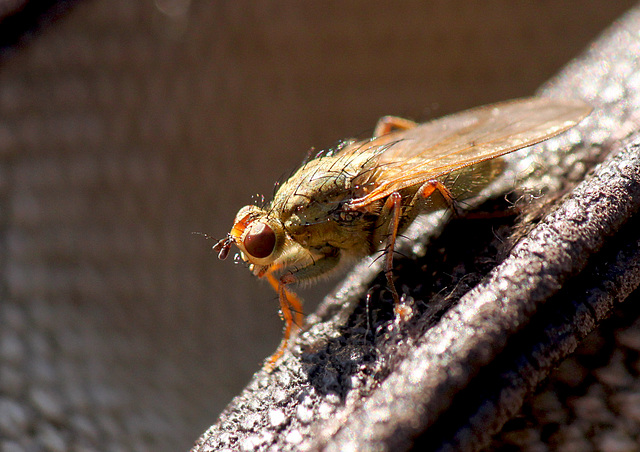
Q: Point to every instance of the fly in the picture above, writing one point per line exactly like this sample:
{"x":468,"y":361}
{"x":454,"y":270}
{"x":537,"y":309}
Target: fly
{"x":342,"y":206}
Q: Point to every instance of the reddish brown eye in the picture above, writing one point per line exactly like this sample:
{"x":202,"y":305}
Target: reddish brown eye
{"x":260,"y":240}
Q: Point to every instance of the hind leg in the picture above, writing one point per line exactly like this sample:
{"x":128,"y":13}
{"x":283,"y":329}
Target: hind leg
{"x":387,"y":124}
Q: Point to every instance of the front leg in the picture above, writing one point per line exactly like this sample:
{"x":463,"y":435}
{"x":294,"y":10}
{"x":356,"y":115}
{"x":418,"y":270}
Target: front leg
{"x":290,"y":305}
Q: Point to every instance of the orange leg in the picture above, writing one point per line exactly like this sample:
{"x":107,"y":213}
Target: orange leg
{"x":393,"y":205}
{"x":429,"y":187}
{"x":291,"y":313}
{"x":386,"y":124}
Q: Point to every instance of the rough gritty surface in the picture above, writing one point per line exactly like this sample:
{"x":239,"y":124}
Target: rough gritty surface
{"x":126,"y":126}
{"x":591,"y":401}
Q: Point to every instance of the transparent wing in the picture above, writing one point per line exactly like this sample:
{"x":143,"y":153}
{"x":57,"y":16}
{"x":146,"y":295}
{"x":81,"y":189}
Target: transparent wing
{"x":436,"y":148}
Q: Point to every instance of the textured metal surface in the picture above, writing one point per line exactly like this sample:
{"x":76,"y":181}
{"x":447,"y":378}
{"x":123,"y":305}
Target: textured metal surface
{"x":126,"y":126}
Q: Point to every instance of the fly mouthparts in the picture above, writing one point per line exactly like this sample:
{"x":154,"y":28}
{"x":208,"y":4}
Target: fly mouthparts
{"x":222,"y":247}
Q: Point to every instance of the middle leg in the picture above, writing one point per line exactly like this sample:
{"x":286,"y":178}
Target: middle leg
{"x":393,"y":207}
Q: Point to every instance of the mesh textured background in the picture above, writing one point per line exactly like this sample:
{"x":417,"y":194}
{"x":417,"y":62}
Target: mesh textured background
{"x":125,"y":126}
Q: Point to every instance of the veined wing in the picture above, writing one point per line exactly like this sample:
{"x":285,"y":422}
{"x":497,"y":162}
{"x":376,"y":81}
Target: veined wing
{"x":463,"y":139}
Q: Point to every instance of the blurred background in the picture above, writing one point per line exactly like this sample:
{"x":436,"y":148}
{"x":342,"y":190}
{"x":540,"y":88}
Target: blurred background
{"x":127,"y":126}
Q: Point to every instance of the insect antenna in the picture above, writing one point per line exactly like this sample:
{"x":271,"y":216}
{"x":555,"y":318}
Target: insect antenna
{"x":221,"y":247}
{"x":207,"y":237}
{"x":204,"y":234}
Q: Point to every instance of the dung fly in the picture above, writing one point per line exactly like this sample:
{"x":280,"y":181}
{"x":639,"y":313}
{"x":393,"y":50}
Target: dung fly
{"x":355,"y":200}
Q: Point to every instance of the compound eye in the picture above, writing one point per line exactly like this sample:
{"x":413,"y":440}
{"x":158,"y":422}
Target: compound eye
{"x":260,"y":240}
